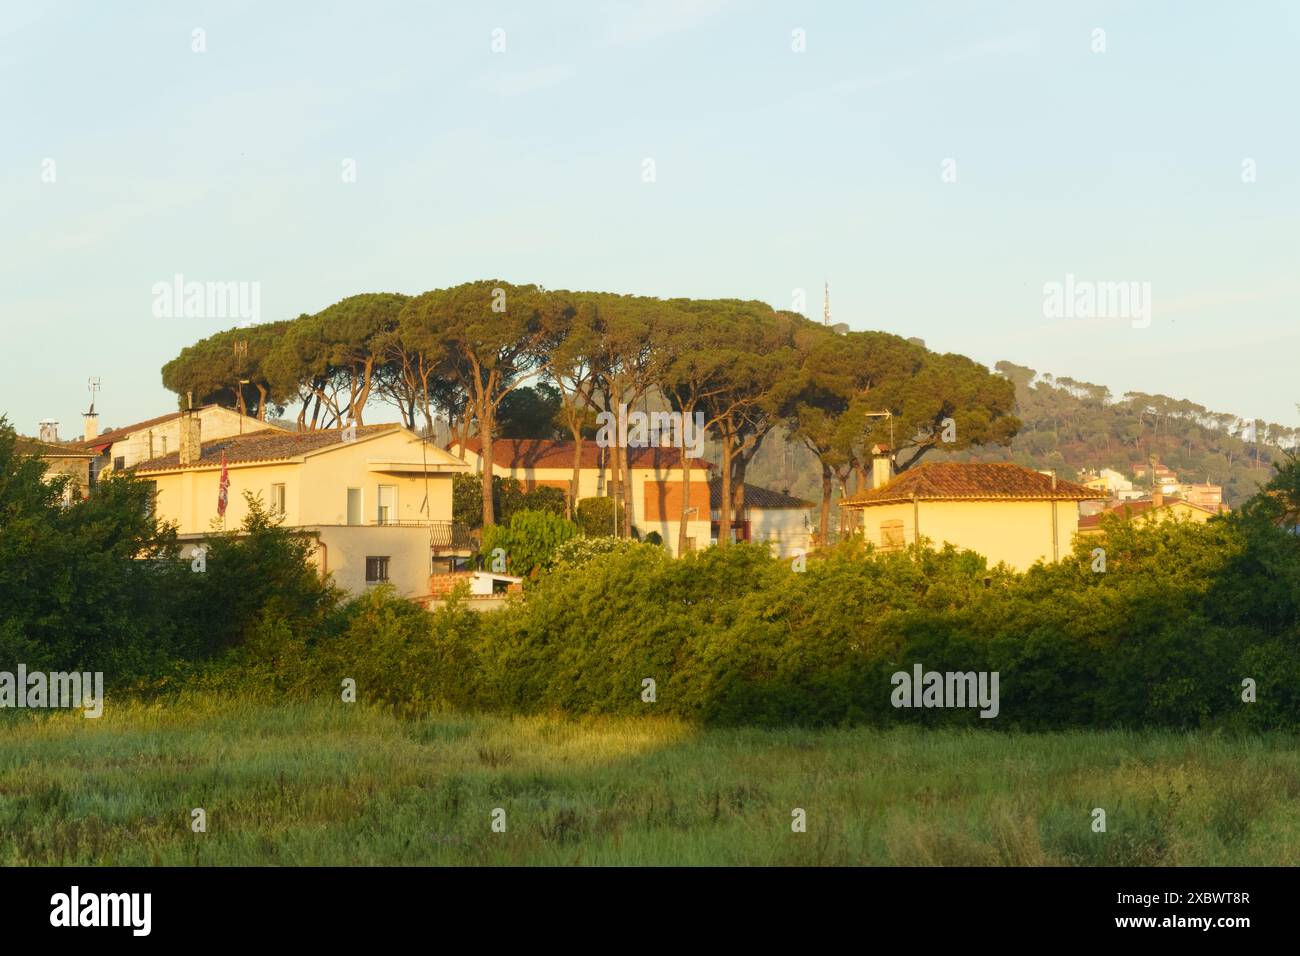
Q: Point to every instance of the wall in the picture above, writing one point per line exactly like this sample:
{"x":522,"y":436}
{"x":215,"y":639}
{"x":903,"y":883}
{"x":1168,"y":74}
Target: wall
{"x":1017,"y":532}
{"x":783,"y":528}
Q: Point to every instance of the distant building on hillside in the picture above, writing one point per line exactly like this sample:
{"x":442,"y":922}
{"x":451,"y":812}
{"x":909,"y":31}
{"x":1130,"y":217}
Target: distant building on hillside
{"x":1157,"y":507}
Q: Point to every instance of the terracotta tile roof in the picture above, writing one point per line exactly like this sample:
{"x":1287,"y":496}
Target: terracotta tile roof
{"x":756,"y":497}
{"x":952,"y":480}
{"x":42,"y":449}
{"x":1134,"y":507}
{"x":269,"y":445}
{"x":536,"y":453}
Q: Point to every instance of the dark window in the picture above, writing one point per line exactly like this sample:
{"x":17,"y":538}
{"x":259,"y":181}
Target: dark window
{"x":376,"y":570}
{"x":119,"y":463}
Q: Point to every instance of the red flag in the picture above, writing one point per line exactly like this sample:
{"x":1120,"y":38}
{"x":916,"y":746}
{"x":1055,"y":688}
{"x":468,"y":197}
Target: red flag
{"x":223,"y":488}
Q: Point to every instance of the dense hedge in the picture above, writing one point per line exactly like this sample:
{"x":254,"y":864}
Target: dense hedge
{"x":1163,"y":638}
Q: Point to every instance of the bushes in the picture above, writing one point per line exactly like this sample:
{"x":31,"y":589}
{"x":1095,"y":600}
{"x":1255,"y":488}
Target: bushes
{"x":98,"y":585}
{"x":529,"y":541}
{"x":595,"y":516}
{"x":508,"y":498}
{"x":736,"y":637}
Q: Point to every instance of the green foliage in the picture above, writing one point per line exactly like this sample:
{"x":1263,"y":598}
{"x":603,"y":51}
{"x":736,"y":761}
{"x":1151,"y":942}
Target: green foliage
{"x":1164,"y":637}
{"x":530,"y":412}
{"x":102,"y":585}
{"x":508,"y":497}
{"x":529,"y":541}
{"x":595,"y":516}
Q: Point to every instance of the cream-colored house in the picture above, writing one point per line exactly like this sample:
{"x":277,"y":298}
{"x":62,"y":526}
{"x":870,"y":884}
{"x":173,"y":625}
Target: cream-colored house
{"x":655,"y":498}
{"x":1002,"y":511}
{"x":376,"y":499}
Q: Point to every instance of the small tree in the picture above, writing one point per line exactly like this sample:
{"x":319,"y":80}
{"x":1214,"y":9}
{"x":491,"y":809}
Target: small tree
{"x":596,"y":517}
{"x":529,"y":540}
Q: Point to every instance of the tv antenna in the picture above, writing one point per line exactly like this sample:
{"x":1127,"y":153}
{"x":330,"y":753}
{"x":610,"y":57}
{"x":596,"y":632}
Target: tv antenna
{"x":92,"y":386}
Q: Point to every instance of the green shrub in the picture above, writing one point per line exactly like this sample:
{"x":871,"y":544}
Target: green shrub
{"x":529,"y":540}
{"x":595,"y":517}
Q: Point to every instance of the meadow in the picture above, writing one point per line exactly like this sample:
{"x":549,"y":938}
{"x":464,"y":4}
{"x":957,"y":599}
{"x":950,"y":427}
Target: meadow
{"x":319,"y":783}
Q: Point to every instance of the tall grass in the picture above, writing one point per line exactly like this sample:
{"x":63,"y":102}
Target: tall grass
{"x":336,"y":784}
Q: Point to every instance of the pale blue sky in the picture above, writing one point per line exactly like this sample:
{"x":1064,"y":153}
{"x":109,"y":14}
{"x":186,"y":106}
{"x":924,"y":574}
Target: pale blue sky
{"x":775,"y":170}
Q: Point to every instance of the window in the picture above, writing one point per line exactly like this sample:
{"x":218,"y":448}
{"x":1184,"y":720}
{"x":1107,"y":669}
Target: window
{"x":387,"y":512}
{"x":891,"y":534}
{"x":277,"y":499}
{"x":354,"y":506}
{"x":119,"y":463}
{"x":376,"y":570}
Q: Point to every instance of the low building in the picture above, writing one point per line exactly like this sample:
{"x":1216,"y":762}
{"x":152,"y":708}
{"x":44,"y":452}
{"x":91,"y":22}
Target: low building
{"x":656,"y":485}
{"x":376,"y":499}
{"x":783,"y":522}
{"x":121,"y":448}
{"x":1158,"y":507}
{"x":1202,"y":494}
{"x":60,"y":460}
{"x":1003,"y":511}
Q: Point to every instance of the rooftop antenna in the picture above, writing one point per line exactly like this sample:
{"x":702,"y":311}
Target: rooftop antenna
{"x":826,"y":305}
{"x":92,"y":385}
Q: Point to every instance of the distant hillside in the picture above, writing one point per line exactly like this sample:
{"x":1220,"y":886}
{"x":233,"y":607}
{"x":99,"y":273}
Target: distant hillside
{"x":1071,"y":426}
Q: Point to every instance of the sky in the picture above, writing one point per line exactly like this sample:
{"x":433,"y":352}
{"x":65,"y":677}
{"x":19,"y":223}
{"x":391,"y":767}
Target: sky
{"x":940,"y":164}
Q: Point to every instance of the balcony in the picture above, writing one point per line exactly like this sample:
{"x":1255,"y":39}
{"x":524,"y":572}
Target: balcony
{"x":443,"y":535}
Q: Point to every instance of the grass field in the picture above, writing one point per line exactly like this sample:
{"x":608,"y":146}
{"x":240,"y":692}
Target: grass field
{"x":338,"y":785}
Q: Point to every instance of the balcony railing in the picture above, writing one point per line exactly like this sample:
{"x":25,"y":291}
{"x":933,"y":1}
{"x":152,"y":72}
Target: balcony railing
{"x":443,"y":535}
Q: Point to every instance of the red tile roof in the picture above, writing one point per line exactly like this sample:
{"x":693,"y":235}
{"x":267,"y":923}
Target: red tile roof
{"x":756,"y":497}
{"x":952,"y":480}
{"x":269,"y":445}
{"x":536,"y":453}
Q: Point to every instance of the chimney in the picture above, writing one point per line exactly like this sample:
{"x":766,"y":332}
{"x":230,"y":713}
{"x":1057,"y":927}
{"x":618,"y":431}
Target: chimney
{"x":49,"y":431}
{"x":191,"y":440}
{"x":90,"y":425}
{"x":882,"y":465}
{"x":1157,"y":498}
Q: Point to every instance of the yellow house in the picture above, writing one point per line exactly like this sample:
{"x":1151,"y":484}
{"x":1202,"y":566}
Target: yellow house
{"x":1003,"y":511}
{"x":1144,"y":510}
{"x":376,"y":499}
